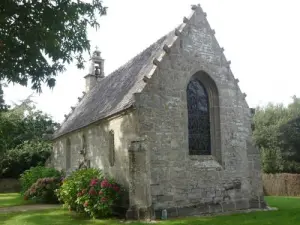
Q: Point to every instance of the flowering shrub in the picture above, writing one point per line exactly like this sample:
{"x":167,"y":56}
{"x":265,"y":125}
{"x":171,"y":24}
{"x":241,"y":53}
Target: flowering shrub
{"x":78,"y":180}
{"x":87,"y":191}
{"x":43,"y":190}
{"x":97,"y":199}
{"x":29,"y":177}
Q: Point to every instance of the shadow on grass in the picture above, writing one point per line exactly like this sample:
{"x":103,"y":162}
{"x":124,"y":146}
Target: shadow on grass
{"x":12,"y":199}
{"x":287,"y":215}
{"x":52,"y":217}
{"x":45,"y":217}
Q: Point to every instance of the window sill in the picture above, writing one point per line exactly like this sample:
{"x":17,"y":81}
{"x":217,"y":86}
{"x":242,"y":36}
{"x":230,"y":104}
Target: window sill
{"x":206,"y":161}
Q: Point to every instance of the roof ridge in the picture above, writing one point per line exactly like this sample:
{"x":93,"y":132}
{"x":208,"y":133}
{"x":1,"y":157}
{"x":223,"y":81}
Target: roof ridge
{"x":115,"y":92}
{"x":134,"y":57}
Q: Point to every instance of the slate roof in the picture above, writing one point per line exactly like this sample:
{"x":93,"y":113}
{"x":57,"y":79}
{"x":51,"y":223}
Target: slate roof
{"x":114,"y":93}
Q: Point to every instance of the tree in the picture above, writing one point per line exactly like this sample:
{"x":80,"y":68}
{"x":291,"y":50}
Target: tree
{"x":290,"y":138}
{"x":24,"y":123}
{"x":277,"y":134}
{"x":24,"y":138}
{"x":23,"y":157}
{"x":3,"y":106}
{"x":267,"y":121}
{"x":38,"y":37}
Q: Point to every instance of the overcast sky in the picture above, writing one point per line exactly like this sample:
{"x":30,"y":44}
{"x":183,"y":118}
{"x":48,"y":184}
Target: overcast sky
{"x":260,"y":37}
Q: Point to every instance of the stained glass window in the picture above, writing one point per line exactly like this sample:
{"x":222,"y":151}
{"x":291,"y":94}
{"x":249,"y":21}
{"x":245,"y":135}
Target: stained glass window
{"x":198,"y":119}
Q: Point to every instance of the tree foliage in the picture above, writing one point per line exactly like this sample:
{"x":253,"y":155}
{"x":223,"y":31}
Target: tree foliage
{"x":24,"y":135}
{"x":3,"y":106}
{"x":277,"y":134}
{"x":23,"y":157}
{"x":38,"y":37}
{"x":24,"y":123}
{"x":290,"y":141}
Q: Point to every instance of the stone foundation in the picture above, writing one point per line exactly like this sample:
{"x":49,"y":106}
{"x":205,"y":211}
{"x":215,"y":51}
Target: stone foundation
{"x":196,"y":210}
{"x":140,"y":213}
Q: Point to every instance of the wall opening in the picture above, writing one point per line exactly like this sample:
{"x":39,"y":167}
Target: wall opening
{"x":68,"y":154}
{"x":203,"y":116}
{"x":111,"y":139}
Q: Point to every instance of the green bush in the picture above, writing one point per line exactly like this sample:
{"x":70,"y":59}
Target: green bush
{"x":29,"y":154}
{"x":271,"y":160}
{"x":29,"y":177}
{"x":87,"y":191}
{"x":44,"y":190}
{"x":77,"y":181}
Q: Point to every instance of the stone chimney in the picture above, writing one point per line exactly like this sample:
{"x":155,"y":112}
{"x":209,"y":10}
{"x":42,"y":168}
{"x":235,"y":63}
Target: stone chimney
{"x":96,"y":71}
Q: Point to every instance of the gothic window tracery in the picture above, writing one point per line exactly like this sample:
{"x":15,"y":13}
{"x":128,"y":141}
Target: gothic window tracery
{"x":198,"y":118}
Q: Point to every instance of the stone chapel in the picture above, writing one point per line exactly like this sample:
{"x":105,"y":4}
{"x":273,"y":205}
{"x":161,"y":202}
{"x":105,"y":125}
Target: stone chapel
{"x":171,"y":125}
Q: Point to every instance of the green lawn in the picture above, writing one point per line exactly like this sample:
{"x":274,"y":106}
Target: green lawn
{"x":288,"y":214}
{"x":12,"y":199}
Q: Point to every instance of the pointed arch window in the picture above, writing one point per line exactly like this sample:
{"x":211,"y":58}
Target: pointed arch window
{"x":84,"y":146}
{"x":68,"y":154}
{"x":198,"y":118}
{"x":111,"y":139}
{"x":203,"y":110}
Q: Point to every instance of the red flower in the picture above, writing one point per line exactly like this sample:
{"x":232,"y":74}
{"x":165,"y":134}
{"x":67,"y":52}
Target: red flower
{"x":103,"y":199}
{"x":86,"y":203}
{"x":100,"y":193}
{"x":92,"y":191}
{"x":94,"y":182}
{"x":105,"y":183}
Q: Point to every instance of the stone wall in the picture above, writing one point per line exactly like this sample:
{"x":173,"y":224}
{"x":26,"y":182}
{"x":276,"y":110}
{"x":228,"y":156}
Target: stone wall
{"x":98,"y":149}
{"x":224,"y":181}
{"x":9,"y":185}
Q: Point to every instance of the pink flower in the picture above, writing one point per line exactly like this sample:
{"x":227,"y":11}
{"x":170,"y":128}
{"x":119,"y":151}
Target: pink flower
{"x":83,"y":191}
{"x":94,"y":182}
{"x":103,"y":199}
{"x":79,"y":194}
{"x":100,"y":193}
{"x":105,"y":183}
{"x":85,"y":204}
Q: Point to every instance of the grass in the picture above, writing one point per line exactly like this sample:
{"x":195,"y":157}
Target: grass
{"x":12,"y":199}
{"x":288,"y":214}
